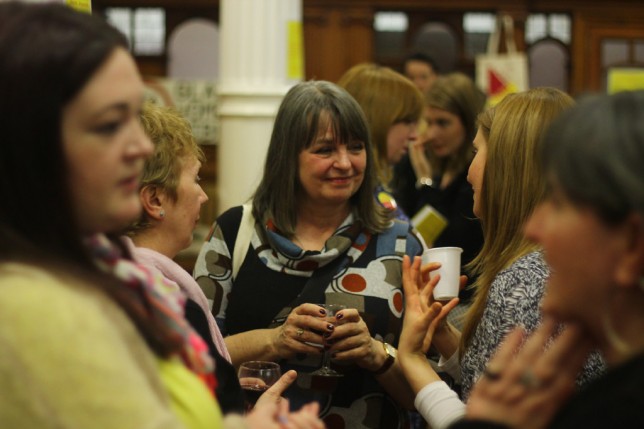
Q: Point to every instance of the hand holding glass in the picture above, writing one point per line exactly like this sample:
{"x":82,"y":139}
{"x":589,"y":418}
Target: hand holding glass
{"x":326,"y":371}
{"x":255,"y":377}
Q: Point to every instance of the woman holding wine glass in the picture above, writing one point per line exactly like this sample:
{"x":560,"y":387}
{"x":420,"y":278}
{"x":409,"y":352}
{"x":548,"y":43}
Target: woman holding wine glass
{"x":315,"y":234}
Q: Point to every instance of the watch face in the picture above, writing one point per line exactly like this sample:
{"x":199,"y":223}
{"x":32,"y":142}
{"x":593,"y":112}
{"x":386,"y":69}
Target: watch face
{"x":391,"y":351}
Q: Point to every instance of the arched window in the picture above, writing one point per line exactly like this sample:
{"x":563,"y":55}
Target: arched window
{"x":548,"y":60}
{"x":438,"y":40}
{"x":193,"y":50}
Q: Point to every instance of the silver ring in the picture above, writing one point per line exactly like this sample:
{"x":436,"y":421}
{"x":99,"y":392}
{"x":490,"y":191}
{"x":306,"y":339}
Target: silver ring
{"x":299,"y":332}
{"x":492,"y":375}
{"x":529,"y":380}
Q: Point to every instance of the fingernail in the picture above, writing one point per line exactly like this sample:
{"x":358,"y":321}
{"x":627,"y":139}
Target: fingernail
{"x":339,"y":316}
{"x":322,"y":311}
{"x":327,"y":334}
{"x":330,"y":327}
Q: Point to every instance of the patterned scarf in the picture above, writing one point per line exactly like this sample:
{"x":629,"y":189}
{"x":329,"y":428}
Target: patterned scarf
{"x":281,"y":254}
{"x":160,"y":298}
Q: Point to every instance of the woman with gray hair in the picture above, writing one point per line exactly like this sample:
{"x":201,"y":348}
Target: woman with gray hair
{"x":316,"y":235}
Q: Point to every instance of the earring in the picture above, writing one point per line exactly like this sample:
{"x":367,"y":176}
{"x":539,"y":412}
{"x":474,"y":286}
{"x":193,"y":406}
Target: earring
{"x":162,"y":214}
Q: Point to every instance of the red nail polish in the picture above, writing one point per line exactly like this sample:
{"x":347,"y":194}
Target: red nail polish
{"x":339,"y":316}
{"x":330,"y":327}
{"x":322,"y":311}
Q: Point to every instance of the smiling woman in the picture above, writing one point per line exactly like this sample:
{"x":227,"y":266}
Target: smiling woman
{"x":317,"y":236}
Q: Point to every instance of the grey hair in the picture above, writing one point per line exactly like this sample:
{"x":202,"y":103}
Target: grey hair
{"x":595,"y":154}
{"x":304,"y":111}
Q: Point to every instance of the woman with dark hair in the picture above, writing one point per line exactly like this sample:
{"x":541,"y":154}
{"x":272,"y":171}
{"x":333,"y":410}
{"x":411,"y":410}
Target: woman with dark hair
{"x":316,"y":235}
{"x":88,"y":338}
{"x":591,"y":227}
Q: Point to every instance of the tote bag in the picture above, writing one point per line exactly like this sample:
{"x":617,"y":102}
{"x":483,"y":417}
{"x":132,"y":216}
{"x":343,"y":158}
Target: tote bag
{"x":499,"y":74}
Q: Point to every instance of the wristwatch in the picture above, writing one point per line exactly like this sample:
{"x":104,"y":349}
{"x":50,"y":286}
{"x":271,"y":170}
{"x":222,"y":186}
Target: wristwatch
{"x":391,"y":358}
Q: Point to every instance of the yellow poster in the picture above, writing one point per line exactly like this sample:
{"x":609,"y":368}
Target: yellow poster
{"x":625,"y":79}
{"x":80,"y":5}
{"x":295,"y":51}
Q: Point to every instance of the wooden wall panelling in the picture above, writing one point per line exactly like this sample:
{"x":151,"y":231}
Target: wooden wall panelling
{"x":589,"y":30}
{"x":335,"y":39}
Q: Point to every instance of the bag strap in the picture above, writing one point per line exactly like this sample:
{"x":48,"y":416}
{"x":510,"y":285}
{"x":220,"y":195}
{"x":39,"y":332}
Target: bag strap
{"x":313,"y":290}
{"x":504,"y":23}
{"x":244,"y":235}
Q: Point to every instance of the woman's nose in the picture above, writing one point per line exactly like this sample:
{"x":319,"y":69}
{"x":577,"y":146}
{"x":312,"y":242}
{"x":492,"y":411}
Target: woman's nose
{"x":413,"y":132}
{"x":342,"y":158}
{"x":203,"y":197}
{"x":140,"y":144}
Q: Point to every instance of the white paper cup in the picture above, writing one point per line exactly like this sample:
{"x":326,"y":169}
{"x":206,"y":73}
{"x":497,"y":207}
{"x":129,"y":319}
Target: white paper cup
{"x":450,"y":271}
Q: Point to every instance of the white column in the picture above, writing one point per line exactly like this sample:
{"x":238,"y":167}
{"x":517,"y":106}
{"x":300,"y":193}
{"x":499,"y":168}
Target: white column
{"x":258,"y":65}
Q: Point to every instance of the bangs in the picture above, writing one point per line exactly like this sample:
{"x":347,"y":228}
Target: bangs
{"x":346,"y":126}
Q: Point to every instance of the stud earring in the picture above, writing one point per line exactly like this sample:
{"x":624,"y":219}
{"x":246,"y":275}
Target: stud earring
{"x":162,"y":214}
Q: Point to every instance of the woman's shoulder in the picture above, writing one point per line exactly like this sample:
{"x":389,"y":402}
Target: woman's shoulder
{"x":35,"y":298}
{"x":30,"y":285}
{"x":523,"y":282}
{"x":531,"y":266}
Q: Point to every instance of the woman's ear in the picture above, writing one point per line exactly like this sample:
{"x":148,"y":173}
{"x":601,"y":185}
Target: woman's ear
{"x":630,"y":267}
{"x":152,"y":199}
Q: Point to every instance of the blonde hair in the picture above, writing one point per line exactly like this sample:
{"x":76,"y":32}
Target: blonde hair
{"x":174,"y":143}
{"x":386,"y":97}
{"x":513,"y":185}
{"x":456,"y":93}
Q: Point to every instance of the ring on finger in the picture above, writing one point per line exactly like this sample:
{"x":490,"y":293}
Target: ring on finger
{"x":299,"y":332}
{"x":491,"y":374}
{"x":529,"y":380}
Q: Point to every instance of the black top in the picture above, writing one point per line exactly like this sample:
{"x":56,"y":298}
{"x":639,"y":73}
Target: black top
{"x":615,"y":400}
{"x":229,"y":393}
{"x":455,"y":202}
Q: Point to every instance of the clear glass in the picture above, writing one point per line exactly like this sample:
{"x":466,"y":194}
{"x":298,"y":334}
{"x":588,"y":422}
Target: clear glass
{"x":255,"y":377}
{"x":326,"y":371}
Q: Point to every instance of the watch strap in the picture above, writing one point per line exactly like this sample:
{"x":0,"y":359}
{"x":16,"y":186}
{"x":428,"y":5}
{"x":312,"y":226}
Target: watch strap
{"x":391,"y":358}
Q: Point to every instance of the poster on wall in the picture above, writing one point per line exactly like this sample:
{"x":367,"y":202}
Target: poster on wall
{"x":80,"y":5}
{"x":196,"y":100}
{"x":625,"y":79}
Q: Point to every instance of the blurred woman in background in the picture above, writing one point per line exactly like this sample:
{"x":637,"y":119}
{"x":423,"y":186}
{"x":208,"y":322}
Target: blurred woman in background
{"x":393,"y":107}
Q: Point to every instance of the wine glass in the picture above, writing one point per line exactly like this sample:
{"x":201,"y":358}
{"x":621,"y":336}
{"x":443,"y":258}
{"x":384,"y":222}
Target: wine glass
{"x":255,"y":377}
{"x":326,"y":371}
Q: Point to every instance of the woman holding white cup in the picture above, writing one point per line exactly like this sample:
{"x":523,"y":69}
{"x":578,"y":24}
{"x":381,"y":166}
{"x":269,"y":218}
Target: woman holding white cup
{"x":508,"y":184}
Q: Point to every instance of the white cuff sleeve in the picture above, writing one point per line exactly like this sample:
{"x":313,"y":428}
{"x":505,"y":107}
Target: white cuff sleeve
{"x":451,"y":366}
{"x":439,"y":405}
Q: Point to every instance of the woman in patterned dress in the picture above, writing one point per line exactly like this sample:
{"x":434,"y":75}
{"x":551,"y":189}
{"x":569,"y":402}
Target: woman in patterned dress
{"x":318,"y":236}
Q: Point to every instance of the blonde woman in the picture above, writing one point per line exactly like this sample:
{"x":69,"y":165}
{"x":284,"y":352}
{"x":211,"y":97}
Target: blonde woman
{"x":508,"y":184}
{"x":393,"y":107}
{"x":591,"y":228}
